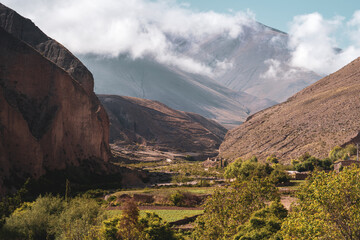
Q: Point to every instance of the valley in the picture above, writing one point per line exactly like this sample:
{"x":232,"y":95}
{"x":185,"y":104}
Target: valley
{"x":224,"y":139}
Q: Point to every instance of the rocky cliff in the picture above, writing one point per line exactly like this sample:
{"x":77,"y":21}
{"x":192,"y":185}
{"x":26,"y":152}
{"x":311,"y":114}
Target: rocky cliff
{"x":314,"y":120}
{"x":48,"y":121}
{"x":25,"y":30}
{"x":151,"y":123}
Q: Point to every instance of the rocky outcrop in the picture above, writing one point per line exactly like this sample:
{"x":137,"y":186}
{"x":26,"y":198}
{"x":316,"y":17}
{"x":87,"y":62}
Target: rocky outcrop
{"x":151,"y":123}
{"x":25,"y":30}
{"x":47,"y":120}
{"x":314,"y":120}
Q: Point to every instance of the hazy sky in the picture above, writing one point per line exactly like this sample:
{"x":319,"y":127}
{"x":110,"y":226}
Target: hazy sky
{"x":141,"y":27}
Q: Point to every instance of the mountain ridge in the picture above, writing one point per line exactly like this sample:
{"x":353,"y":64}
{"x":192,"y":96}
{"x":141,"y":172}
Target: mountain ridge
{"x":314,"y":120}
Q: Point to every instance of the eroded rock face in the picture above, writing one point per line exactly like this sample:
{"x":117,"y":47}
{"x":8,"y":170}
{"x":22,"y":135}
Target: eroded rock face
{"x":25,"y":30}
{"x":314,"y":120}
{"x":151,"y":123}
{"x":48,"y":121}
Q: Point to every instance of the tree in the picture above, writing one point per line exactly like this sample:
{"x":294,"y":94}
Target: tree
{"x":129,"y":226}
{"x":342,"y":153}
{"x":263,"y":224}
{"x":247,"y":170}
{"x":230,"y":207}
{"x":272,"y":159}
{"x":51,"y":217}
{"x":306,"y":162}
{"x":328,"y":207}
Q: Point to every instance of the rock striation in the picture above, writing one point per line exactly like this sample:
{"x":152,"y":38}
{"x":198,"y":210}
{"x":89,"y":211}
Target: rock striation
{"x":316,"y":119}
{"x":151,"y":123}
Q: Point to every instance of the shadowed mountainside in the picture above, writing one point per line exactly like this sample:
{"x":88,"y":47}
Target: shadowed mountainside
{"x":50,"y":119}
{"x":150,"y":123}
{"x":316,"y":119}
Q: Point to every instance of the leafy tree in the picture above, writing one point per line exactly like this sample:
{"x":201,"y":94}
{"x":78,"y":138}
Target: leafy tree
{"x":53,"y":218}
{"x":263,"y":224}
{"x":154,"y":228}
{"x":129,"y":226}
{"x":328,"y":207}
{"x":177,"y":198}
{"x":36,"y":220}
{"x":272,"y":159}
{"x":279,"y":176}
{"x":8,"y":204}
{"x":247,"y":170}
{"x":78,"y":218}
{"x":230,"y":207}
{"x":306,"y":162}
{"x":342,"y":153}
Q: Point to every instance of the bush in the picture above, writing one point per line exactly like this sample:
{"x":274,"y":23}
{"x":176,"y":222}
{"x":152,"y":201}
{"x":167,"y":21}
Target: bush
{"x":51,"y":217}
{"x":342,"y":153}
{"x":129,"y":226}
{"x":306,"y":162}
{"x":230,"y":207}
{"x":328,"y":207}
{"x":272,"y":159}
{"x":36,"y":220}
{"x":246,"y":170}
{"x":177,"y":198}
{"x":263,"y":224}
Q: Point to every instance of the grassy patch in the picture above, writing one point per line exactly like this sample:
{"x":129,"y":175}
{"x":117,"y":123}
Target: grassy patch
{"x":168,"y":191}
{"x":166,"y":215}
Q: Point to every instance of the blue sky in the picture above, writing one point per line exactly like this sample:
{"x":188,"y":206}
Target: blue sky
{"x":279,"y":13}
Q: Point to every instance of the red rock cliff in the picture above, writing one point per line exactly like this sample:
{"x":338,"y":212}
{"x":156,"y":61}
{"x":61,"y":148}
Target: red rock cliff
{"x":48,"y":120}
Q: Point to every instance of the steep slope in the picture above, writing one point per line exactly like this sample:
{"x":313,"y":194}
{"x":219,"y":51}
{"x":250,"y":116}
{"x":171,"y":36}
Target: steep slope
{"x":25,"y":30}
{"x":48,"y":121}
{"x":51,"y":122}
{"x":314,"y":120}
{"x":150,"y":123}
{"x":179,"y":90}
{"x":259,"y":63}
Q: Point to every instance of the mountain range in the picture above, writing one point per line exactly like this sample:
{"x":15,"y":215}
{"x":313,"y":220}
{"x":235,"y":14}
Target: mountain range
{"x":314,"y":120}
{"x":256,"y":75}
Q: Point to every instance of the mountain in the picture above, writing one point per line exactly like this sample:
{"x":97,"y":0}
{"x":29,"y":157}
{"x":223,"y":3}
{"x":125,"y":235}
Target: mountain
{"x":256,"y":75}
{"x":259,"y":60}
{"x":51,"y":122}
{"x":146,"y":78}
{"x":136,"y":121}
{"x":314,"y":120}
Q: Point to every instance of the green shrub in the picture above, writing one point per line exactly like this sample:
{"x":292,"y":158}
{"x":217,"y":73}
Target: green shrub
{"x":53,"y":218}
{"x":177,"y":198}
{"x":35,"y":220}
{"x":342,"y":153}
{"x":263,"y":224}
{"x":306,"y":162}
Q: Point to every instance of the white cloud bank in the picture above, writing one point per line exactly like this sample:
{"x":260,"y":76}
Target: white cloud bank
{"x":138,"y":27}
{"x":314,"y":46}
{"x":142,"y":28}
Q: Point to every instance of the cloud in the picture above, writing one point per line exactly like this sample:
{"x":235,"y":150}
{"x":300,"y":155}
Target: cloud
{"x":313,"y":42}
{"x":138,"y":28}
{"x":281,"y":71}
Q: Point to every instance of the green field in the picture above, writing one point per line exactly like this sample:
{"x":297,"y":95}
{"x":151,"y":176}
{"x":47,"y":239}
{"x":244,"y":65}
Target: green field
{"x":168,"y":191}
{"x":166,"y":215}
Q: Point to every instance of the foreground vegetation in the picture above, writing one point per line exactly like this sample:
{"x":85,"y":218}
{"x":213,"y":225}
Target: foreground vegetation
{"x":246,"y":207}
